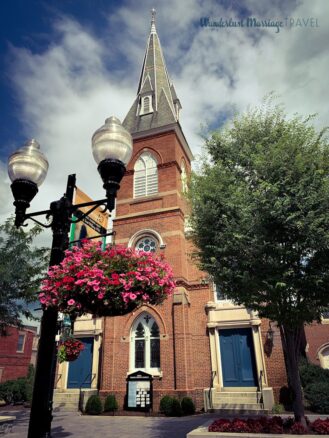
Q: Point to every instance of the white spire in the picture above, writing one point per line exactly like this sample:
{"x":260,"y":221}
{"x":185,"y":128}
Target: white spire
{"x":153,"y":29}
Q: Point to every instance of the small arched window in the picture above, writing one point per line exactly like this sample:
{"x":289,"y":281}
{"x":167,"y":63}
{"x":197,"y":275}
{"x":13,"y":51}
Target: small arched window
{"x":145,"y":344}
{"x":184,"y":177}
{"x":146,"y":102}
{"x":147,"y":243}
{"x":145,"y":175}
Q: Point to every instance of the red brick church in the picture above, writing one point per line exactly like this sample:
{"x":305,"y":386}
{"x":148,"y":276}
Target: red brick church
{"x":197,"y":343}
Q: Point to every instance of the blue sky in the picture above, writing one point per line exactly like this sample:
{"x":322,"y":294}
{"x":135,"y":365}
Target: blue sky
{"x":66,"y":65}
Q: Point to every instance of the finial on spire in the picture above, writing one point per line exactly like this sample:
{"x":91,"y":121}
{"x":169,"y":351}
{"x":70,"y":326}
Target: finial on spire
{"x":153,"y":29}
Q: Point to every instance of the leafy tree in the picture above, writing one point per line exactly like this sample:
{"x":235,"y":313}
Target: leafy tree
{"x":260,"y":213}
{"x":21,"y":268}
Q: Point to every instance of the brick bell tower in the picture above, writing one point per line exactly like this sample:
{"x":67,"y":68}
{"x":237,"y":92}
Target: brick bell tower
{"x":151,"y":214}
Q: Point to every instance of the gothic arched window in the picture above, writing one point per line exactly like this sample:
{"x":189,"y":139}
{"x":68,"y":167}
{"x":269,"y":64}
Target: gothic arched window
{"x":145,"y":344}
{"x":146,"y":104}
{"x":145,"y":175}
{"x":184,"y":178}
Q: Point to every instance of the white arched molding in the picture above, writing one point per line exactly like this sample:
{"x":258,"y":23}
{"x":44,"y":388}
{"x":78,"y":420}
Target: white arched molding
{"x":323,"y":355}
{"x":144,"y":233}
{"x":145,"y":345}
{"x":145,"y":175}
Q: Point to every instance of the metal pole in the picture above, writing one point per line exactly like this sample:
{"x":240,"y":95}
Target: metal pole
{"x":41,"y":409}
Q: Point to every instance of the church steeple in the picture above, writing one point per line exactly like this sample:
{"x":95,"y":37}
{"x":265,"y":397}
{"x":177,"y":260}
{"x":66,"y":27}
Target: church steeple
{"x":156,"y":104}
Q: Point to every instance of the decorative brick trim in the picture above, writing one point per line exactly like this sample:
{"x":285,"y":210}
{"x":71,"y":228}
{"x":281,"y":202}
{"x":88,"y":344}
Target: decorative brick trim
{"x":169,"y":164}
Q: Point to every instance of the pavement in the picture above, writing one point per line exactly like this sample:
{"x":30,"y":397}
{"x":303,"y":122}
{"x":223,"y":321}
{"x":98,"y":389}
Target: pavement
{"x":73,"y":424}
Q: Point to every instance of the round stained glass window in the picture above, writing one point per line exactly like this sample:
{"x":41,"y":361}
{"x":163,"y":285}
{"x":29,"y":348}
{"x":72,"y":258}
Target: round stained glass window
{"x":147,"y":244}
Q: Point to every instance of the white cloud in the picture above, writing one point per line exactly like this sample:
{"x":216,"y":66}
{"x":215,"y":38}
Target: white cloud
{"x":67,"y":91}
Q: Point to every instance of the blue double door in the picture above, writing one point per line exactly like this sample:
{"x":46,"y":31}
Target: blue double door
{"x":238,"y":358}
{"x":80,"y":370}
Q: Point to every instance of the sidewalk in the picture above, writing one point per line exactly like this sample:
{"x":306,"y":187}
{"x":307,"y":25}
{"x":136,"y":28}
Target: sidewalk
{"x":73,"y":424}
{"x":68,"y":424}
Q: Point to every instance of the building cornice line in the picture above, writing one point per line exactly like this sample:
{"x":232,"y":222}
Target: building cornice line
{"x":148,"y":213}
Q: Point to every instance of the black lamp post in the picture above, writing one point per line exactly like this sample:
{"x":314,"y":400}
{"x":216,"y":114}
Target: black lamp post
{"x":27,"y":168}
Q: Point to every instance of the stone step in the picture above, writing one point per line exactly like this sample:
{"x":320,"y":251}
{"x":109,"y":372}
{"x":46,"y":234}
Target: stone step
{"x":237,"y":405}
{"x":237,"y":394}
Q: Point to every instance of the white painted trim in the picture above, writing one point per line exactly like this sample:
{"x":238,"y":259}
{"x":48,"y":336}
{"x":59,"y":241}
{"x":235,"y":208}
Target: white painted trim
{"x":145,"y":232}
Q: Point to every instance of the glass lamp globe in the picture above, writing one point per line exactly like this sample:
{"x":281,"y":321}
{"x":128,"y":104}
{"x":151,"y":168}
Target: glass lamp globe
{"x":112,"y":142}
{"x":28,"y":163}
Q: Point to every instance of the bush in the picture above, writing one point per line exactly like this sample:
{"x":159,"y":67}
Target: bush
{"x":298,"y":429}
{"x":176,"y":409}
{"x":278,"y":408}
{"x":110,"y":404}
{"x":188,"y":407}
{"x":317,"y":394}
{"x":94,"y":405}
{"x":166,"y":405}
{"x":14,"y":391}
{"x":286,"y":397}
{"x":310,"y":374}
{"x":321,"y":427}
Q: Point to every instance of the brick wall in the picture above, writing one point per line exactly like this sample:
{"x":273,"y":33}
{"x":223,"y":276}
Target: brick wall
{"x":317,"y":335}
{"x":182,"y":319}
{"x":15,"y":364}
{"x":274,"y":359}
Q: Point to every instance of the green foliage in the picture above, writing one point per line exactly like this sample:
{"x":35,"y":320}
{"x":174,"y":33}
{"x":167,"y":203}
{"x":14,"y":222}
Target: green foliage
{"x":264,"y":188}
{"x":188,"y":407}
{"x":310,"y":373}
{"x":317,"y":395}
{"x":176,"y":409}
{"x":21,"y":269}
{"x":94,"y":405}
{"x":260,"y":219}
{"x":14,"y":391}
{"x":166,"y":405}
{"x":315,"y":381}
{"x":29,"y":383}
{"x":110,"y":403}
{"x":286,"y":397}
{"x":278,"y":408}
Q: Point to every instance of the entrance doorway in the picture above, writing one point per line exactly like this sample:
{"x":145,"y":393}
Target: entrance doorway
{"x":237,"y":358}
{"x":80,"y":370}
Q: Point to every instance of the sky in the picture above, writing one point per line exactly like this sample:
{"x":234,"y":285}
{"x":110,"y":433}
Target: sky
{"x":67,"y":65}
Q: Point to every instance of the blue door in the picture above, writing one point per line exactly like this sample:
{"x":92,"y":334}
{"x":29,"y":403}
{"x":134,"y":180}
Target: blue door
{"x":238,"y":357}
{"x":80,"y":369}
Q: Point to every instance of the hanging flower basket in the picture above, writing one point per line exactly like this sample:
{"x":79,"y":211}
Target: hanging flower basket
{"x":69,"y":350}
{"x":107,"y":282}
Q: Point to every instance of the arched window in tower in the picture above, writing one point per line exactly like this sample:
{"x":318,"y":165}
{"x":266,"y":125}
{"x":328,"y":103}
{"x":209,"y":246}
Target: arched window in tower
{"x":146,"y":105}
{"x":145,"y":345}
{"x":147,"y":243}
{"x":145,"y":175}
{"x":184,"y":177}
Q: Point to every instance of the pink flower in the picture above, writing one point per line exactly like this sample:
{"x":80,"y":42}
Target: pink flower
{"x":71,"y":302}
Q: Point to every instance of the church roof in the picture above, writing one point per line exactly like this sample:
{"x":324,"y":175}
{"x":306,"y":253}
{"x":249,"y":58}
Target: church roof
{"x":154,"y":82}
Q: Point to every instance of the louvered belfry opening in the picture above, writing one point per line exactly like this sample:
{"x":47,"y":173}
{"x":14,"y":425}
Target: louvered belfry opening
{"x":145,"y":175}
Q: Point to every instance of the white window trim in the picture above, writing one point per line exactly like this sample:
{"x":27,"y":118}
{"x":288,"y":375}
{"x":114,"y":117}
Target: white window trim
{"x":143,"y":233}
{"x":216,"y":300}
{"x":23,"y":345}
{"x":150,"y":185}
{"x":155,"y":371}
{"x":142,"y":107}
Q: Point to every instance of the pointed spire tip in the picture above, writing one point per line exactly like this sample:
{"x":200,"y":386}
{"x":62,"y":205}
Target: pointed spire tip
{"x":153,"y":13}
